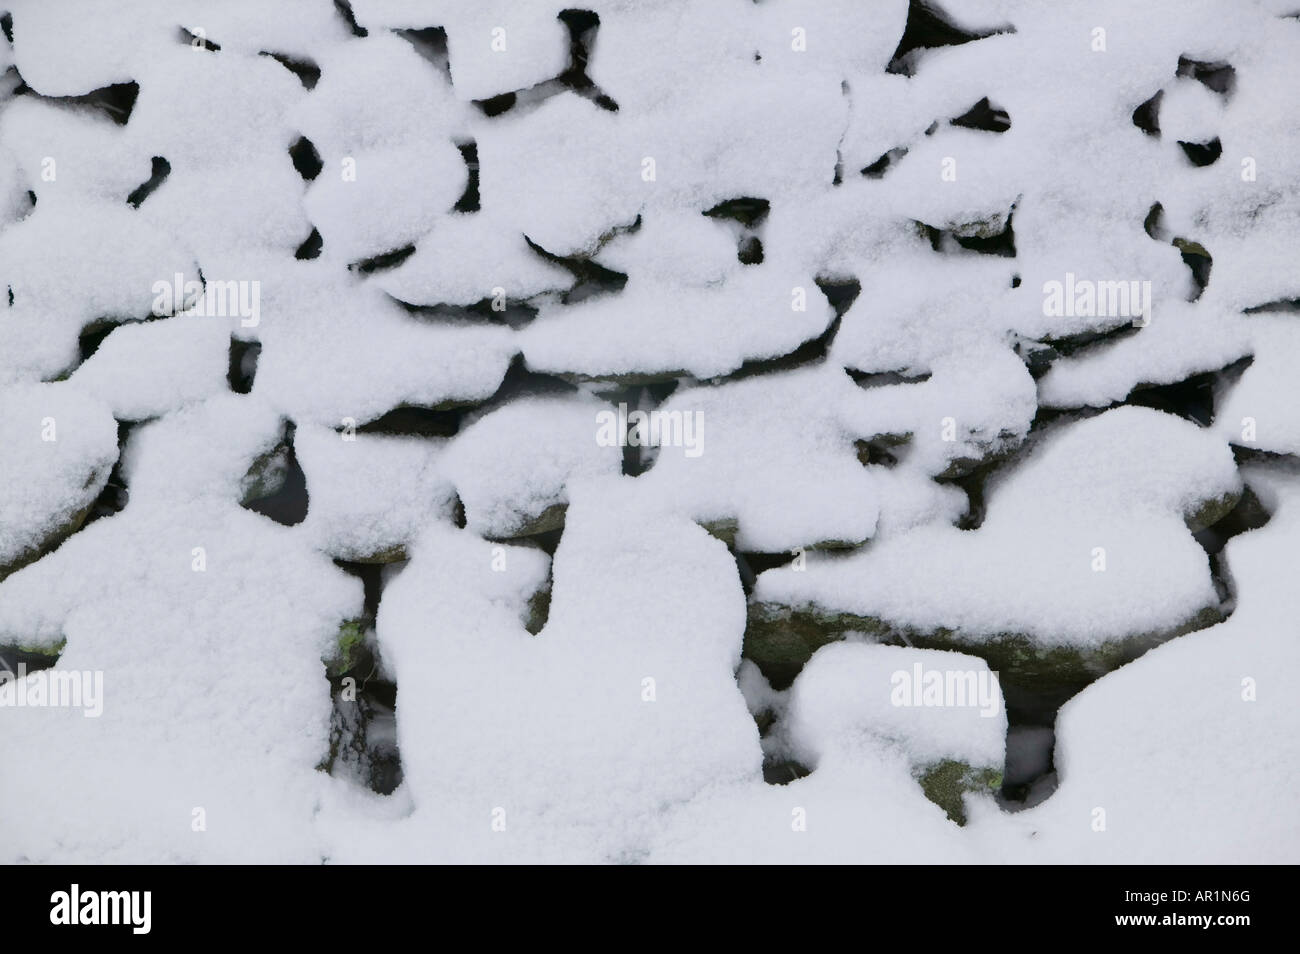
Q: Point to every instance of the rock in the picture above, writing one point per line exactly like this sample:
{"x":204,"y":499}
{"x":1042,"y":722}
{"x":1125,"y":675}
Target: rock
{"x":1035,"y":678}
{"x":350,"y":647}
{"x":946,"y":783}
{"x":724,"y":528}
{"x":266,"y":475}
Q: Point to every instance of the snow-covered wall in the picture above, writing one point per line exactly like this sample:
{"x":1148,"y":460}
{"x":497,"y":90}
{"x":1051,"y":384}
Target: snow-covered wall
{"x":649,"y":431}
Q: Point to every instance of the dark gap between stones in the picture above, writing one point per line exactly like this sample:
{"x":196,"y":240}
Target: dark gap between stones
{"x":469,"y":200}
{"x":188,"y":38}
{"x":877,"y":169}
{"x":749,"y":211}
{"x":591,"y":278}
{"x":1220,"y":77}
{"x":516,"y":313}
{"x":634,"y":464}
{"x":496,"y":105}
{"x":1153,"y":224}
{"x":276,"y":486}
{"x":1147,"y":115}
{"x":984,"y":116}
{"x":383,"y":261}
{"x":929,"y":26}
{"x":116,"y":100}
{"x":311,"y":247}
{"x":751,"y":563}
{"x":1193,"y":398}
{"x":582,"y":26}
{"x":91,"y":338}
{"x":160,"y":169}
{"x":308,"y":72}
{"x":431,"y":44}
{"x":305,"y":158}
{"x":1281,"y":306}
{"x":115,"y":495}
{"x":880,"y":379}
{"x":520,"y":382}
{"x":242,"y":366}
{"x":750,"y":251}
{"x":345,"y":11}
{"x":411,"y":421}
{"x":1202,"y":153}
{"x":879,"y":451}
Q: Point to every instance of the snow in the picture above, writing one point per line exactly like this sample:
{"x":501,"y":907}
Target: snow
{"x":510,"y":465}
{"x":370,"y":494}
{"x":698,"y":335}
{"x":763,"y":436}
{"x":377,"y":213}
{"x":1184,"y":341}
{"x":317,"y":377}
{"x":465,"y":259}
{"x":1260,"y":411}
{"x":848,"y":697}
{"x":237,"y":428}
{"x":532,"y":46}
{"x":92,"y":155}
{"x":61,"y":446}
{"x":570,"y":782}
{"x":61,"y":287}
{"x":880,"y":427}
{"x":184,"y":720}
{"x":1122,"y":482}
{"x":82,"y":45}
{"x":145,"y":369}
{"x":1172,"y":743}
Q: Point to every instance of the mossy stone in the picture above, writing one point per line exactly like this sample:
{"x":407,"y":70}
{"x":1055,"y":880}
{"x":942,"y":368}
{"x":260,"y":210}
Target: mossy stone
{"x":393,"y":554}
{"x":780,"y":639}
{"x":51,"y":542}
{"x":538,"y":610}
{"x":266,"y":474}
{"x":548,"y":521}
{"x":349,"y":644}
{"x":948,"y":781}
{"x":53,"y":650}
{"x":724,"y":528}
{"x":1209,"y":512}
